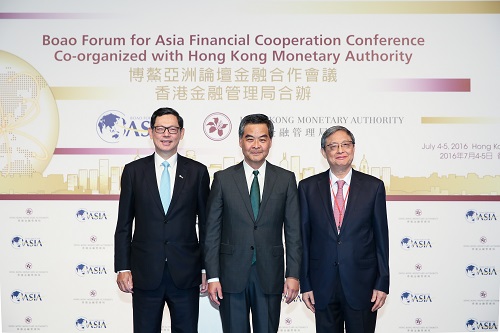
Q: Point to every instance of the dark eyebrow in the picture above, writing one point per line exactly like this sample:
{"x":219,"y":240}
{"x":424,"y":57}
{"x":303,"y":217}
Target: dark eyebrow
{"x":248,"y":136}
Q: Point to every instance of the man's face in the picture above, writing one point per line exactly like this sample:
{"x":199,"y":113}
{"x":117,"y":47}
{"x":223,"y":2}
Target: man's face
{"x":166,"y":144}
{"x":339,"y":158}
{"x":255,"y":144}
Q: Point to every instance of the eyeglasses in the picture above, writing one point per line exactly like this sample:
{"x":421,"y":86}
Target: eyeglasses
{"x":162,"y":129}
{"x":346,"y":145}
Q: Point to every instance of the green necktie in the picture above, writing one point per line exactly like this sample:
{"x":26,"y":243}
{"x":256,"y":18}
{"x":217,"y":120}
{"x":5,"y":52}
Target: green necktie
{"x":255,"y":200}
{"x":255,"y":194}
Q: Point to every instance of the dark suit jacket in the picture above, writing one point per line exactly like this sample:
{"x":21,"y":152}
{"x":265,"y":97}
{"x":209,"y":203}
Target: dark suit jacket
{"x":232,"y":231}
{"x":360,"y":251}
{"x":156,"y":236}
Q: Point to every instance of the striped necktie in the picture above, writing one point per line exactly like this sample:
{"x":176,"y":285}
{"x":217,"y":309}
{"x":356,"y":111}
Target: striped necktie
{"x":339,"y":204}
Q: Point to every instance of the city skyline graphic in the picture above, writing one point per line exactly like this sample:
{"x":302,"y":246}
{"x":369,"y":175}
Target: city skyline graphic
{"x":104,"y":179}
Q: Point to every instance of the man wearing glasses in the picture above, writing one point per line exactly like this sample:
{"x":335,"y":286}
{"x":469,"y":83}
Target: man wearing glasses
{"x":158,"y":255}
{"x":344,"y":276}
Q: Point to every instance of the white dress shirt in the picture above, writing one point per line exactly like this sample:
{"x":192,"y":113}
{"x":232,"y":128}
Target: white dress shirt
{"x":333,"y":184}
{"x":172,"y":169}
{"x":260,"y":177}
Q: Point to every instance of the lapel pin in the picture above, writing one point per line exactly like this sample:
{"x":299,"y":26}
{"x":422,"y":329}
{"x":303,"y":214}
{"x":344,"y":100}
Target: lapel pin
{"x":180,"y":176}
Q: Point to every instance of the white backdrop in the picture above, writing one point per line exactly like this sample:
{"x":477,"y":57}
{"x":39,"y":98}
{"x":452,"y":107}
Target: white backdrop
{"x":78,"y":84}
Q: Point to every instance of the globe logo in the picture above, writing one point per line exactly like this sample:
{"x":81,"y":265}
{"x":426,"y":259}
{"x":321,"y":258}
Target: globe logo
{"x":17,"y":242}
{"x":111,"y":126}
{"x":81,"y":269}
{"x":406,"y":243}
{"x":471,"y":270}
{"x":16,"y":296}
{"x":406,"y":297}
{"x":472,"y":325}
{"x":29,"y":119}
{"x":82,"y":215}
{"x":471,"y":216}
{"x":80,"y":324}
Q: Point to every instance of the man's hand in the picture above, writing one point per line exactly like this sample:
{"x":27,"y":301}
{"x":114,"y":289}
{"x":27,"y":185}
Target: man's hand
{"x":290,"y":289}
{"x":215,"y":292}
{"x":124,"y":281}
{"x":308,"y":298}
{"x":204,"y":284}
{"x":379,"y":298}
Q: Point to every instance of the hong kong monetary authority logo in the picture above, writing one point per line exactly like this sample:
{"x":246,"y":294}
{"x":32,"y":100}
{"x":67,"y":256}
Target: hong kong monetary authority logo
{"x":217,"y":126}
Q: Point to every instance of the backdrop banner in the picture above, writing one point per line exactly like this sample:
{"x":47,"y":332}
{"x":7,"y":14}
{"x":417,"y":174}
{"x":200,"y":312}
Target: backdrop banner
{"x":416,"y":83}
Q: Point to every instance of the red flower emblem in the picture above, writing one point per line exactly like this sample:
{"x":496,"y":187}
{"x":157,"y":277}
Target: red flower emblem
{"x":216,"y":125}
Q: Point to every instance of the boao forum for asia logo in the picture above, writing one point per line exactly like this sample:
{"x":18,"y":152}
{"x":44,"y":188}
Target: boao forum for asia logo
{"x":84,"y":324}
{"x":473,"y":216}
{"x":18,"y":242}
{"x":408,"y":243}
{"x":473,"y":270}
{"x":18,"y":296}
{"x":474,"y":325}
{"x":408,"y":297}
{"x":85,"y":215}
{"x":83,"y":270}
{"x":112,"y":126}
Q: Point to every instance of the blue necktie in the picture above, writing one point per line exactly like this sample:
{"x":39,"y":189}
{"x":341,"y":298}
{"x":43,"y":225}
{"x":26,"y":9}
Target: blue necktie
{"x":165,"y":187}
{"x":255,"y":201}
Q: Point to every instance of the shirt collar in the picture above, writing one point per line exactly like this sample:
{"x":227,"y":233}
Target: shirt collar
{"x":248,"y":169}
{"x":347,"y":178}
{"x":172,"y":160}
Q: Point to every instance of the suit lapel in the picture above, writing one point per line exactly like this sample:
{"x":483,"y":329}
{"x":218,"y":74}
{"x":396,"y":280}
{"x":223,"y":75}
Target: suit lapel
{"x":150,"y":177}
{"x":180,"y":175}
{"x":268,"y":187}
{"x":326,"y":198}
{"x":241,"y":184}
{"x":354,"y":191}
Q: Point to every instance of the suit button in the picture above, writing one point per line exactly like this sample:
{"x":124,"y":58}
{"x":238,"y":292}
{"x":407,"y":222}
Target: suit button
{"x":251,"y":248}
{"x":165,"y":221}
{"x":255,"y":227}
{"x":339,"y":242}
{"x":335,"y":263}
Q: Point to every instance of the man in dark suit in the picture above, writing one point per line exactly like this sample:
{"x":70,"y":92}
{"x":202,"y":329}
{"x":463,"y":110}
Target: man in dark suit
{"x":157,"y":253}
{"x":345,"y":267}
{"x":244,"y":248}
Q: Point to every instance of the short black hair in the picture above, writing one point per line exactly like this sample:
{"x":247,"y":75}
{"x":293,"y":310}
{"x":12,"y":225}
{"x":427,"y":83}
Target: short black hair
{"x":257,"y":118}
{"x":164,"y":111}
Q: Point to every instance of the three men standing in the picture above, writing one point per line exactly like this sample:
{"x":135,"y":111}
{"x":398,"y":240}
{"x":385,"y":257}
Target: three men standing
{"x":336,"y":240}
